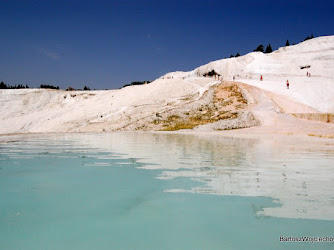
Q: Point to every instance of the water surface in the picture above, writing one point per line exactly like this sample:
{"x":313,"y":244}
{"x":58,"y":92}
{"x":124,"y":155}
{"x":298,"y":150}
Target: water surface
{"x":164,"y":191}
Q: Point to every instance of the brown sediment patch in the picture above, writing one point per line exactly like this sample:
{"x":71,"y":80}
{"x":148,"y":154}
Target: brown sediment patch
{"x":225,"y":102}
{"x":323,"y":117}
{"x":322,"y":136}
{"x":229,"y":94}
{"x":284,"y":116}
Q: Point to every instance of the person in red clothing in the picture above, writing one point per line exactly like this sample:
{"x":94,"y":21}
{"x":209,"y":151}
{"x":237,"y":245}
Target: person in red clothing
{"x":261,"y":78}
{"x":287,"y":84}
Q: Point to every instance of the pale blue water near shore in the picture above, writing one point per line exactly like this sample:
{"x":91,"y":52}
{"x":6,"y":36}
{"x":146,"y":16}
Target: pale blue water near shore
{"x":164,"y":191}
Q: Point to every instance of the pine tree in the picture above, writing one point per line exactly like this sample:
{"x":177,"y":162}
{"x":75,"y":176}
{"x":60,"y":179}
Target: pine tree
{"x":237,"y":55}
{"x":287,"y":43}
{"x":3,"y":85}
{"x":259,"y":48}
{"x":268,"y":49}
{"x":309,"y":37}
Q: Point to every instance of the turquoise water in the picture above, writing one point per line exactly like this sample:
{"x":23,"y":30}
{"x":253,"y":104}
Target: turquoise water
{"x":163,"y":191}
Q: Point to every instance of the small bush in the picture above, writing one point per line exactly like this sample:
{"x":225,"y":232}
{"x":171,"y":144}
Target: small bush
{"x":45,"y":86}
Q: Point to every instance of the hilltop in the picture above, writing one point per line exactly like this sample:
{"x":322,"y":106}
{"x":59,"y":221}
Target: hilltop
{"x":189,"y":100}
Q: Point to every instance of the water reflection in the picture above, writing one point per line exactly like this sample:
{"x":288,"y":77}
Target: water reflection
{"x":297,"y":173}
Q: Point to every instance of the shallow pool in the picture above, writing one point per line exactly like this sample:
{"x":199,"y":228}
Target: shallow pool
{"x":165,"y":191}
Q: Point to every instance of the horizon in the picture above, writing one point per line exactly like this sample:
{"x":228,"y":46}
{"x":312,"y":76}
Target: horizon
{"x":107,"y":44}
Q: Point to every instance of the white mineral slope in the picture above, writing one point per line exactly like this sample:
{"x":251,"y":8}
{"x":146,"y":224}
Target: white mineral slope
{"x":132,"y":108}
{"x":40,"y":110}
{"x":284,"y":64}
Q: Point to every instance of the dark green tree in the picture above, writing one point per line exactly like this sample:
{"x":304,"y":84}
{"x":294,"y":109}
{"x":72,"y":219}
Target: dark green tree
{"x":287,"y":43}
{"x":237,"y":55}
{"x":86,"y":88}
{"x":231,"y":56}
{"x":309,"y":37}
{"x":268,"y":49}
{"x":46,"y":86}
{"x":211,"y":73}
{"x":3,"y":85}
{"x":259,"y":48}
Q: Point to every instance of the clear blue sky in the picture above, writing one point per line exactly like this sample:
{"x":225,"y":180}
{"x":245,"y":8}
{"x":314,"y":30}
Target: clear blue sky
{"x":106,"y":44}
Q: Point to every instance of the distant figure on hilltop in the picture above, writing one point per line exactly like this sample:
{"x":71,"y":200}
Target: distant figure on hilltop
{"x":287,"y":84}
{"x":261,"y":78}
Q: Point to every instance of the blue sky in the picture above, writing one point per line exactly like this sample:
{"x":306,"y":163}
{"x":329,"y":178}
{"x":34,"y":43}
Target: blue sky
{"x":106,"y":44}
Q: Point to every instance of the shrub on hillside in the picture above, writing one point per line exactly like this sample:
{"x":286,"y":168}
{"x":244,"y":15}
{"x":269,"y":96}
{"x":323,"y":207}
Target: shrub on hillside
{"x":211,"y":73}
{"x":136,"y":83}
{"x":309,"y":37}
{"x":259,"y":48}
{"x":46,"y":86}
{"x":69,"y":88}
{"x":5,"y":86}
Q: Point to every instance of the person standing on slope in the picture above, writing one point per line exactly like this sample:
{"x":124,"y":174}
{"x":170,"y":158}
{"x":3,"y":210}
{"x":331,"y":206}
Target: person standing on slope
{"x":287,"y":84}
{"x":261,"y":78}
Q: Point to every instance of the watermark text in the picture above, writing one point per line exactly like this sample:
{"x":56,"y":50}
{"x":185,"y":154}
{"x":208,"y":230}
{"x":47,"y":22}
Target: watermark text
{"x":311,"y":239}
